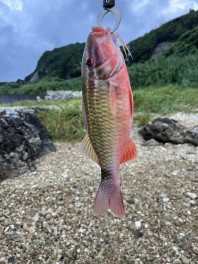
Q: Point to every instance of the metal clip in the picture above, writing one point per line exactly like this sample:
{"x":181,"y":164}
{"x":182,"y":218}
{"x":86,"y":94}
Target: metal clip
{"x":116,"y":13}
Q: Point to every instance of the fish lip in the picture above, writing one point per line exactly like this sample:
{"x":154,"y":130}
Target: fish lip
{"x":98,"y":31}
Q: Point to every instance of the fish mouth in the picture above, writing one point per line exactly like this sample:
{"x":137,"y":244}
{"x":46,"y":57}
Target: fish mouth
{"x":99,"y":31}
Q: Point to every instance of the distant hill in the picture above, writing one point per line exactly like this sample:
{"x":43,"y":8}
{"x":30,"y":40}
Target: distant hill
{"x":170,"y":32}
{"x":65,"y":62}
{"x":166,"y":55}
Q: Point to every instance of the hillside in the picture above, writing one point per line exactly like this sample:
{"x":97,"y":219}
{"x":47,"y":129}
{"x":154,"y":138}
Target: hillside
{"x":176,"y":64}
{"x":65,"y":62}
{"x":170,"y":32}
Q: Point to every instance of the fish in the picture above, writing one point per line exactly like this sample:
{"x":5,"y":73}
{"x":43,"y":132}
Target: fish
{"x":107,"y":110}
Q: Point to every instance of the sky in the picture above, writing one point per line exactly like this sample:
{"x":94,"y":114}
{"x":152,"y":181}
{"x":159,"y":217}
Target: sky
{"x":30,"y":27}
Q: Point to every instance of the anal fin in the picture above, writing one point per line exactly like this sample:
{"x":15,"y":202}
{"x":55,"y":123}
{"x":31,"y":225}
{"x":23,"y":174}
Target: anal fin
{"x":130,"y":151}
{"x":88,"y":149}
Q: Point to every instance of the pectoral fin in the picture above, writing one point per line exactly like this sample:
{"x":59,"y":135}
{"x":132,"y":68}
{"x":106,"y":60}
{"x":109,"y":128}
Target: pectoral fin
{"x":89,"y":150}
{"x":130,"y":151}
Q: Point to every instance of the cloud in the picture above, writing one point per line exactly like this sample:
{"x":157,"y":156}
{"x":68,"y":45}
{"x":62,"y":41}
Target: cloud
{"x":176,"y":6}
{"x":13,"y":4}
{"x":30,"y":27}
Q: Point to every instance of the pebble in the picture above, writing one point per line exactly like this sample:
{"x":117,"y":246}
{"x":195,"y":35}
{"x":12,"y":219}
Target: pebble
{"x":137,"y":234}
{"x":138,"y":224}
{"x":185,"y":260}
{"x":181,"y":235}
{"x":191,"y":195}
{"x":3,"y":260}
{"x":50,"y":227}
{"x":153,"y":142}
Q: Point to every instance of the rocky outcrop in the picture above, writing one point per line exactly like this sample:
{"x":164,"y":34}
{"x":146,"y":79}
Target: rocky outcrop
{"x":165,"y":130}
{"x":159,"y":49}
{"x":22,"y":139}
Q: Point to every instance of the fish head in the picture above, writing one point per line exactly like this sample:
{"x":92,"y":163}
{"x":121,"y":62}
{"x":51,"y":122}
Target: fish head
{"x":102,"y":55}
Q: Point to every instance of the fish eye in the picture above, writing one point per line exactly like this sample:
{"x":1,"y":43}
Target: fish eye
{"x":90,"y":61}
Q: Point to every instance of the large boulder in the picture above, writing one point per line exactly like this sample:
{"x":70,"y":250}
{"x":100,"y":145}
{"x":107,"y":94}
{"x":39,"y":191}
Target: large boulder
{"x":165,"y":130}
{"x":22,"y":139}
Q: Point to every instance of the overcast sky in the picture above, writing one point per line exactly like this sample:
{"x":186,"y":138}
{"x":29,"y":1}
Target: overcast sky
{"x":30,"y":27}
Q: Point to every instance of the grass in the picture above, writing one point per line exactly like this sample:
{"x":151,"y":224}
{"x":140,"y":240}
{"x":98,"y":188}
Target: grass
{"x":65,"y":122}
{"x":60,"y":103}
{"x":164,"y":100}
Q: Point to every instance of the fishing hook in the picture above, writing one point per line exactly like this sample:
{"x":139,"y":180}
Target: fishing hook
{"x":109,"y":6}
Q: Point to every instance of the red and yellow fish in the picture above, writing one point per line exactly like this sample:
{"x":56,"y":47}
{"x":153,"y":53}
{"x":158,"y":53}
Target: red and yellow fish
{"x":107,"y":108}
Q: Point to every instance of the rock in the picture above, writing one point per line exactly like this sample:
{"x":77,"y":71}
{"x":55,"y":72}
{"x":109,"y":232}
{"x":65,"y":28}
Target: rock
{"x":165,"y":130}
{"x":159,"y":49}
{"x":152,"y":142}
{"x":22,"y":139}
{"x":61,"y":95}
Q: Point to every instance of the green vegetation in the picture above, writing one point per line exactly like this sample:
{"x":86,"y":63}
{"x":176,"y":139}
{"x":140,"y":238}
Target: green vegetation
{"x":65,"y":122}
{"x":141,"y":119}
{"x":64,"y":62}
{"x":142,"y":48}
{"x":187,"y":43}
{"x":165,"y":100}
{"x":161,"y":71}
{"x":41,"y":86}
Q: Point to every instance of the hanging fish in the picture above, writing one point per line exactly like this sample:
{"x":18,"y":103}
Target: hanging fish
{"x":107,"y":108}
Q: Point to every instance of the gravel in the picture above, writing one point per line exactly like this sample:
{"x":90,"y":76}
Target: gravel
{"x":46,"y":215}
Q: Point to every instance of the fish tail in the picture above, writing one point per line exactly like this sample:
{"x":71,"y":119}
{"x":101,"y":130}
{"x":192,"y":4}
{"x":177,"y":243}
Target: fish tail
{"x":109,"y":197}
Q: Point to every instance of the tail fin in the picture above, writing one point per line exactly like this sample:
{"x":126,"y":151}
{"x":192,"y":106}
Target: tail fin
{"x":109,"y":197}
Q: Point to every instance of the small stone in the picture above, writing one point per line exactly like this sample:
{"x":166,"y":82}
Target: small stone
{"x":165,"y":200}
{"x":192,"y":202}
{"x":12,"y":227}
{"x":36,"y":217}
{"x":6,"y":229}
{"x":179,"y":222}
{"x":138,"y":234}
{"x":163,"y":195}
{"x":3,"y":260}
{"x":195,"y":250}
{"x":185,"y":260}
{"x":25,"y":227}
{"x":138,"y":224}
{"x":11,"y":259}
{"x":152,"y":142}
{"x":191,"y":195}
{"x":25,"y":156}
{"x":131,"y":201}
{"x":48,"y":216}
{"x":150,"y":233}
{"x":138,"y":261}
{"x":181,"y":235}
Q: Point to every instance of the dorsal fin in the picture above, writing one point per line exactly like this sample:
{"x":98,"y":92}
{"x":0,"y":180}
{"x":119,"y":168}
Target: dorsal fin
{"x":88,"y":149}
{"x":130,"y":151}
